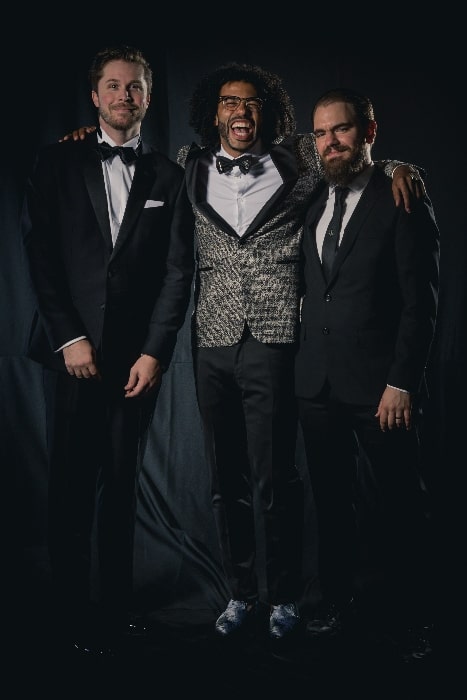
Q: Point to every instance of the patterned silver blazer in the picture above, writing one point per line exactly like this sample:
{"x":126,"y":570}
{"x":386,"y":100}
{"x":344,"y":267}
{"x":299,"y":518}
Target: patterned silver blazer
{"x":252,"y":279}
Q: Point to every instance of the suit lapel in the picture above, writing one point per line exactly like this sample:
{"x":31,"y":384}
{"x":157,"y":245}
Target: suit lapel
{"x":286,"y":163}
{"x":92,"y":172}
{"x":196,"y":195}
{"x":365,"y":205}
{"x":312,"y":218}
{"x":140,"y":188}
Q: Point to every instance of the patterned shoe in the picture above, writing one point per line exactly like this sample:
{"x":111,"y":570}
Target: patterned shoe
{"x":234,"y":617}
{"x":283,"y":619}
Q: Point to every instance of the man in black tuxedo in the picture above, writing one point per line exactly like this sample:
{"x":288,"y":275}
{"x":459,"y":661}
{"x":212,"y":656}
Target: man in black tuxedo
{"x":109,"y":241}
{"x":367,"y":321}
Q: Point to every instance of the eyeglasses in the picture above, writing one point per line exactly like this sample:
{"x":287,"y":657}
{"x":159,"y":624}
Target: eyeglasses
{"x":231,"y":102}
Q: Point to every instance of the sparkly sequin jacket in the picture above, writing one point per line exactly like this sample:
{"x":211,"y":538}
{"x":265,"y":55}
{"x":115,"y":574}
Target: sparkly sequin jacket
{"x":253,"y":278}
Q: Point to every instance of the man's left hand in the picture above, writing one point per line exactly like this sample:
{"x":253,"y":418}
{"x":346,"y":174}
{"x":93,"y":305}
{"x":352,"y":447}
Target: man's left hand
{"x":145,"y":375}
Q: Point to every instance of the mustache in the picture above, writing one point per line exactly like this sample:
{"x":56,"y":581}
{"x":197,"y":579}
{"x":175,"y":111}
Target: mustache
{"x":339,"y":149}
{"x":233,"y":120}
{"x":128,"y":108}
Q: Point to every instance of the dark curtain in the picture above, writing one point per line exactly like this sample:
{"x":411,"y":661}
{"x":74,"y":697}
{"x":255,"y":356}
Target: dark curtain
{"x":177,"y":558}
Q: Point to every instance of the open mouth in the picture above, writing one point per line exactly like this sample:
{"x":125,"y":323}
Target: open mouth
{"x":242,"y":129}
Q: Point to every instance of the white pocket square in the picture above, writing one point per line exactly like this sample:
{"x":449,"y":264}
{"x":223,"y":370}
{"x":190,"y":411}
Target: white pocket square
{"x":153,"y":203}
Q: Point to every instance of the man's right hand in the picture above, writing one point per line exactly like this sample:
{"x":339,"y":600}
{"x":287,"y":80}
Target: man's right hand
{"x":80,"y":360}
{"x":78,"y":134}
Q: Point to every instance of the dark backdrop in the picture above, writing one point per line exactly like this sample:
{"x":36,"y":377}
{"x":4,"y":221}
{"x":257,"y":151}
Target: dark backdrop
{"x":418,"y":114}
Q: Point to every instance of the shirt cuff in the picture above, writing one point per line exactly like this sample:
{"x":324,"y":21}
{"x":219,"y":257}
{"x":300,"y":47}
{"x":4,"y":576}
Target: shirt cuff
{"x":404,"y":391}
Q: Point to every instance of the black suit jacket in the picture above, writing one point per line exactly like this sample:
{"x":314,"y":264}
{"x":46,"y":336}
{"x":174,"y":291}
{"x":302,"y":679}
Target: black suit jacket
{"x":138,"y":290}
{"x":373,"y":323}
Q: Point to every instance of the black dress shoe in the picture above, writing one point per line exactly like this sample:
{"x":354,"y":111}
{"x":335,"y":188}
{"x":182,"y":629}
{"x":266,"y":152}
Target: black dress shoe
{"x":330,"y":620}
{"x":236,"y":617}
{"x":415,"y":644}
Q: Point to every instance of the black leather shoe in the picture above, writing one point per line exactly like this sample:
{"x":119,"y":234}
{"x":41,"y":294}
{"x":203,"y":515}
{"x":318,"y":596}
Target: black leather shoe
{"x":236,"y":617}
{"x":330,"y":621}
{"x":416,"y":644}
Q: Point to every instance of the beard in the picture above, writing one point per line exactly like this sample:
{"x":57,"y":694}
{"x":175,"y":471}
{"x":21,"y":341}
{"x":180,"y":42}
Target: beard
{"x":340,"y":171}
{"x":123,"y":121}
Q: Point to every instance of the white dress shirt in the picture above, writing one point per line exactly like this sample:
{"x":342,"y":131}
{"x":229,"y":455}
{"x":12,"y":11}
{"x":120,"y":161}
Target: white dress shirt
{"x":237,"y":196}
{"x":118,"y":177}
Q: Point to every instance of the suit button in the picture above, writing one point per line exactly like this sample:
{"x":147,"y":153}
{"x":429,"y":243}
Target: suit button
{"x":325,"y":331}
{"x":327,"y":297}
{"x":102,"y":307}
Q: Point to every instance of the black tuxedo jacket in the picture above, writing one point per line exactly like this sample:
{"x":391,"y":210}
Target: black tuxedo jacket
{"x":138,"y":290}
{"x":373,"y":323}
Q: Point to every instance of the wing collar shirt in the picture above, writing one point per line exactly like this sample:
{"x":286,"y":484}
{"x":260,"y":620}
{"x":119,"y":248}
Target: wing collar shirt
{"x":237,"y":196}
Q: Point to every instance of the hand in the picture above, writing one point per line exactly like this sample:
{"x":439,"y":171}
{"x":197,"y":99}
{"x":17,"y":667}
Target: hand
{"x":407,"y":185}
{"x":394,"y":410}
{"x":78,"y":134}
{"x":80,"y":360}
{"x":145,"y":375}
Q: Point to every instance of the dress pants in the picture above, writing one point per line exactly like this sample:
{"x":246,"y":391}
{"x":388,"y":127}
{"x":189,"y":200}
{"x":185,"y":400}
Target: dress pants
{"x":246,"y":400}
{"x":369,"y":498}
{"x":97,"y":441}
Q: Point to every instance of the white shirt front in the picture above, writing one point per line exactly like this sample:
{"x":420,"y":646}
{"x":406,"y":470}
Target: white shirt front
{"x":238,"y":197}
{"x":118,"y":177}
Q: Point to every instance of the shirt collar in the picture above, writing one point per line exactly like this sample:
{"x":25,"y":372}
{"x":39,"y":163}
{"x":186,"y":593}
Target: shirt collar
{"x":360,"y":181}
{"x":132,"y":143}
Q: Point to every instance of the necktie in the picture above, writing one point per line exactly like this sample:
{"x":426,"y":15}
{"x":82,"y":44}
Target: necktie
{"x":331,"y":238}
{"x":127,"y":154}
{"x":225,"y":165}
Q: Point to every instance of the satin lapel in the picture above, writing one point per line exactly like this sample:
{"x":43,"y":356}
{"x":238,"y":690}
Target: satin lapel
{"x":212,"y":214}
{"x":196,"y":196}
{"x":92,"y":172}
{"x":365,"y":205}
{"x":143,"y":179}
{"x":286,"y":163}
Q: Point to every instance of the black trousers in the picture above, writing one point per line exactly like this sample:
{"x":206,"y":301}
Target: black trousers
{"x":249,"y":418}
{"x":371,"y":507}
{"x":97,"y":439}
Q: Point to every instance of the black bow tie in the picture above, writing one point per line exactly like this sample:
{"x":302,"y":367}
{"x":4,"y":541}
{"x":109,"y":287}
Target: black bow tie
{"x":225,"y":165}
{"x":127,"y":154}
